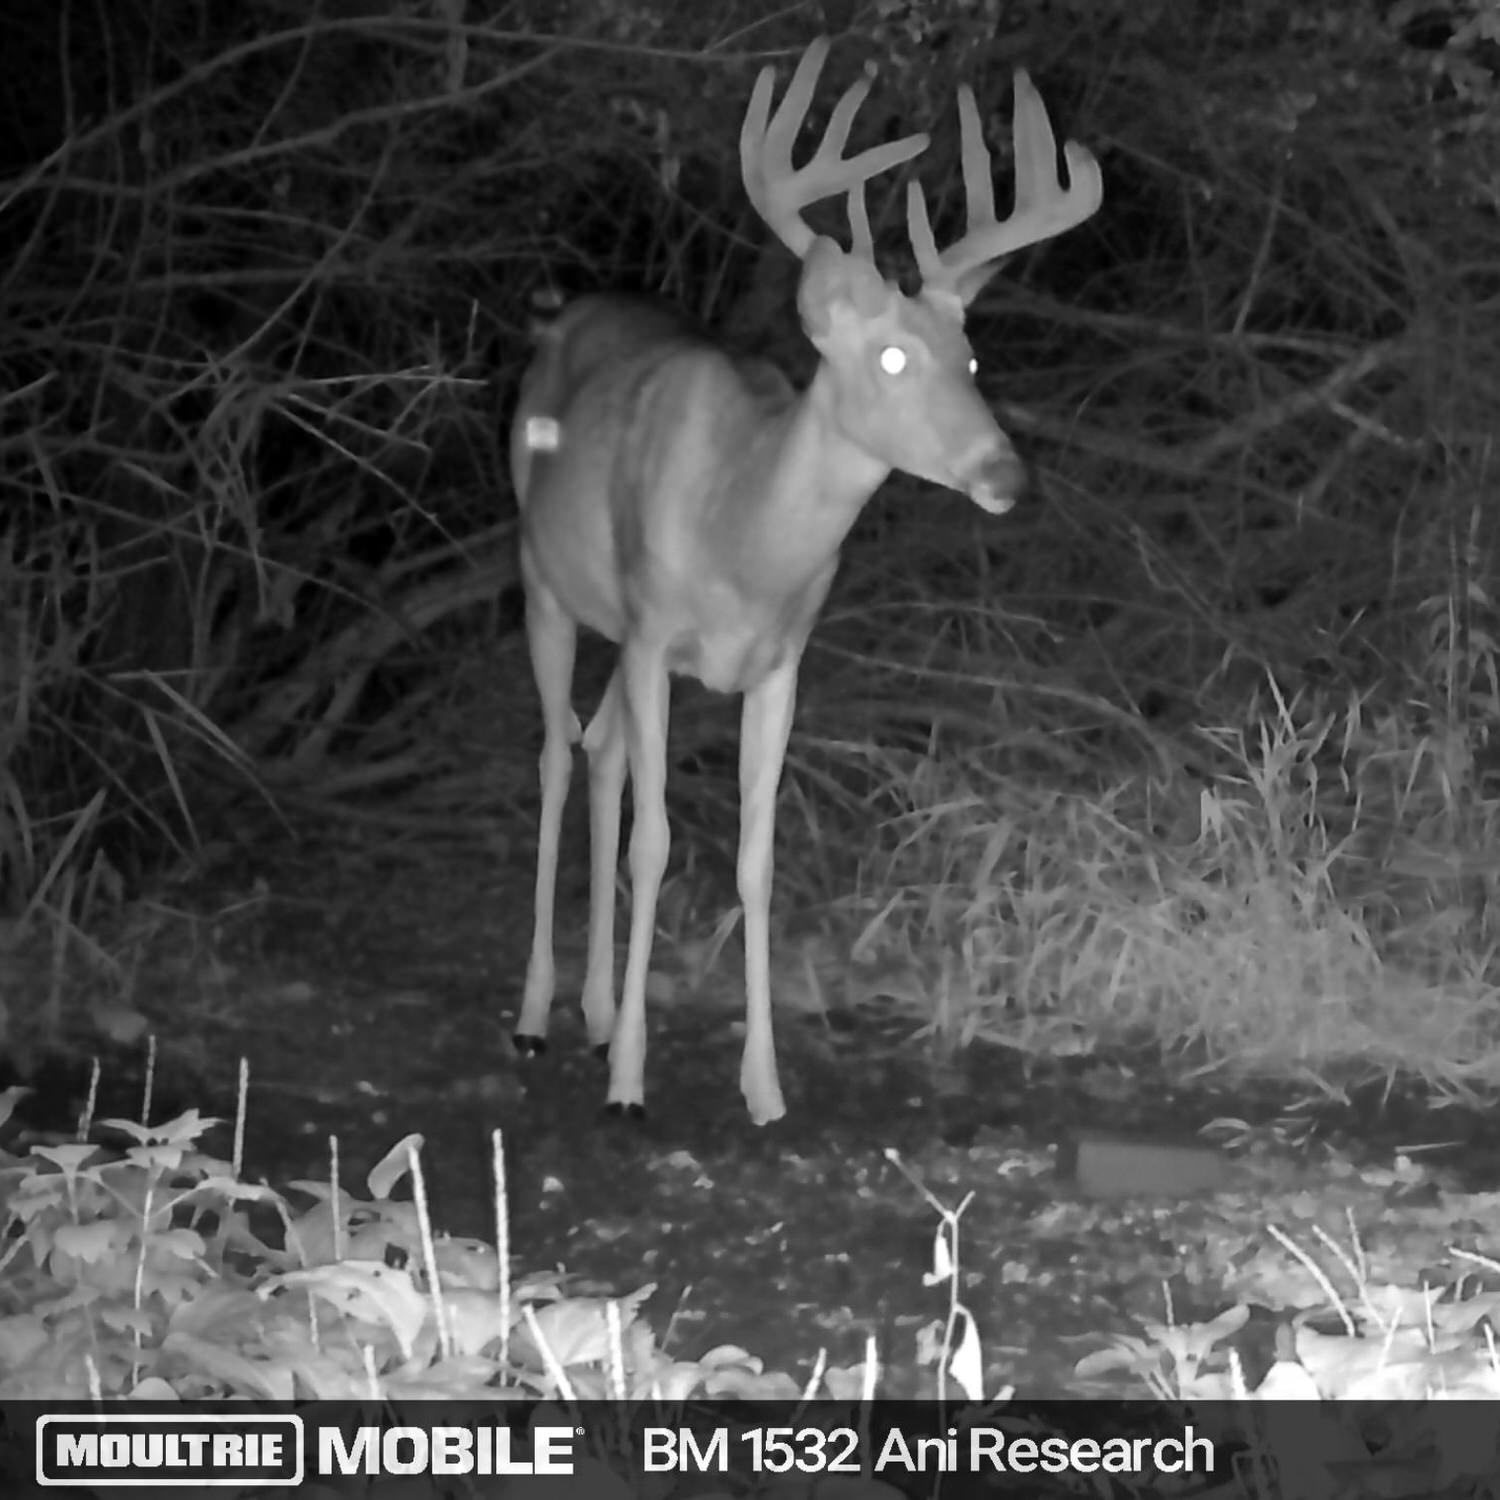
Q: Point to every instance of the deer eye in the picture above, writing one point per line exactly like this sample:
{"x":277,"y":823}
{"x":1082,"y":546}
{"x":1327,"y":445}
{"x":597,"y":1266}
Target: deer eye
{"x":973,"y":365}
{"x":893,"y":359}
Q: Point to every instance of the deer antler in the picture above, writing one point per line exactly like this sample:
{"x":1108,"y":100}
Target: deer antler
{"x":1044,"y":207}
{"x":778,"y":192}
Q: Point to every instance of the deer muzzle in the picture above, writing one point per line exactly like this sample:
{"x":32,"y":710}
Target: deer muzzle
{"x":996,"y":481}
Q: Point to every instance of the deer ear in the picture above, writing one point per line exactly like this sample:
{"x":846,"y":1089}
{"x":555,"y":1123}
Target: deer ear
{"x":832,"y":276}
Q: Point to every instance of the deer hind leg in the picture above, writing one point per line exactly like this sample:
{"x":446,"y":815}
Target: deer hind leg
{"x":765,"y":726}
{"x":552,"y":637}
{"x":604,"y":743}
{"x":644,"y":689}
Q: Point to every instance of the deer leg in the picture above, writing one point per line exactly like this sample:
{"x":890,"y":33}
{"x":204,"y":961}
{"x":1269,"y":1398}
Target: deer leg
{"x":604,"y":743}
{"x":765,"y":726}
{"x":552,"y":638}
{"x":645,"y":690}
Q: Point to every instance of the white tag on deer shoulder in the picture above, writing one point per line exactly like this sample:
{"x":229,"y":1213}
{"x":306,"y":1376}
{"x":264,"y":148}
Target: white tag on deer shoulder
{"x":543,"y":434}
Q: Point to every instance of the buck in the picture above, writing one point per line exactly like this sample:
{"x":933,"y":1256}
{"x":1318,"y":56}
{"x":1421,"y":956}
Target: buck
{"x":690,"y":505}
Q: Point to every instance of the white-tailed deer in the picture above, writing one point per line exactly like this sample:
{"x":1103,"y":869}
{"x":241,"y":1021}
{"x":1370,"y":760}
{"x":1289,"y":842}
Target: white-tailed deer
{"x":690,"y":505}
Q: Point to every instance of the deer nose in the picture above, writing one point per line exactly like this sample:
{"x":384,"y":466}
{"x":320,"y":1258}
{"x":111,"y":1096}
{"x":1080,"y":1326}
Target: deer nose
{"x":996,"y":480}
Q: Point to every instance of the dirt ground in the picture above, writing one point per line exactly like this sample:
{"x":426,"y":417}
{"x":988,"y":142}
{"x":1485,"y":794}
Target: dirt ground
{"x":374,"y":1002}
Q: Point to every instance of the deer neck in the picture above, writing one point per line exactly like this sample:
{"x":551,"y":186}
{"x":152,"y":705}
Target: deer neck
{"x":811,"y":480}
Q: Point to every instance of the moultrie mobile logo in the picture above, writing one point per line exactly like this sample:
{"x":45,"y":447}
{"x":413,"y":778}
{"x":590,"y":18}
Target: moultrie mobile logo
{"x":162,"y":1450}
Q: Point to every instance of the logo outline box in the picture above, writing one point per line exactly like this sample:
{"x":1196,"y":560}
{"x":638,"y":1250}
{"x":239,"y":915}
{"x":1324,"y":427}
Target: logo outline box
{"x":291,"y":1422}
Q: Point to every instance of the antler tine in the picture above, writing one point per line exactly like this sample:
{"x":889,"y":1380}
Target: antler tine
{"x":861,"y":241}
{"x":778,"y":191}
{"x":978,"y":171}
{"x":1043,"y":206}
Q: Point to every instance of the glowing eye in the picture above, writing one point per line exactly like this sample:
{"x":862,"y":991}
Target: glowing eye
{"x":973,"y":365}
{"x":892,"y":359}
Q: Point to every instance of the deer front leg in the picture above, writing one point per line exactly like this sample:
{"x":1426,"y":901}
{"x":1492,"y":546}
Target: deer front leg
{"x":765,"y":726}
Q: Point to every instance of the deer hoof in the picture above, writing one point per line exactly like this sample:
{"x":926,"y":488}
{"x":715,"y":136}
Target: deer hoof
{"x":530,"y":1046}
{"x":635,"y":1113}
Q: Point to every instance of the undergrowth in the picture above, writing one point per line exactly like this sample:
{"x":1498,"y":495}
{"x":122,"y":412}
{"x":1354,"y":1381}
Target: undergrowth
{"x":153,"y":1269}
